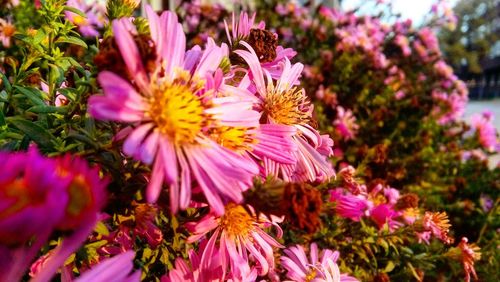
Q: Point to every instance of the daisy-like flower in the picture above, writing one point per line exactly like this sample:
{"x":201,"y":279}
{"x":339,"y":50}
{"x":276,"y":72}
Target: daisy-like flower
{"x":32,"y":201}
{"x":345,"y":123}
{"x":282,"y":103}
{"x":467,"y":254}
{"x":94,"y":19}
{"x":264,"y":42}
{"x":37,"y":196}
{"x":320,"y":267}
{"x":239,"y":237}
{"x":438,"y":224}
{"x":174,"y":111}
{"x":194,"y":271}
{"x":349,"y":206}
{"x":487,"y":134}
{"x":7,"y":30}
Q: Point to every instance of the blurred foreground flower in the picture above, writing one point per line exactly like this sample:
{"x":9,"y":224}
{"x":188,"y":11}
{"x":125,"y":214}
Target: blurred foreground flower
{"x":37,"y":196}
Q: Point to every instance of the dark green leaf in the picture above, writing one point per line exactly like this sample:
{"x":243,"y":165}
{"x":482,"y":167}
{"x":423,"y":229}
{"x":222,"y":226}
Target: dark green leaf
{"x":35,"y":132}
{"x":48,"y":109}
{"x":32,"y":94}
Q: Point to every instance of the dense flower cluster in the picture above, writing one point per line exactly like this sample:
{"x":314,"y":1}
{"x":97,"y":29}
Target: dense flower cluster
{"x":216,"y":161}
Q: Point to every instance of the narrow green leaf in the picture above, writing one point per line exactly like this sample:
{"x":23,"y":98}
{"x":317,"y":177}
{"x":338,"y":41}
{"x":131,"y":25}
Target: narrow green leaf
{"x":32,"y":94}
{"x":6,"y":82}
{"x":48,"y":109}
{"x":75,"y":10}
{"x":35,"y":132}
{"x":72,"y":40}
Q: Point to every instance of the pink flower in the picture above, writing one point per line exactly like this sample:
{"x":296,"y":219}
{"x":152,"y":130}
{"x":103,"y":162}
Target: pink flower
{"x":239,"y":238}
{"x":403,"y":43}
{"x":486,"y":131}
{"x":195,"y":270}
{"x":119,"y":268}
{"x":174,"y":112}
{"x":39,"y":195}
{"x":345,"y":123}
{"x":94,"y":19}
{"x":385,"y":214}
{"x":348,"y":205}
{"x":470,"y":254}
{"x":320,"y":267}
{"x":7,"y":30}
{"x":283,"y":103}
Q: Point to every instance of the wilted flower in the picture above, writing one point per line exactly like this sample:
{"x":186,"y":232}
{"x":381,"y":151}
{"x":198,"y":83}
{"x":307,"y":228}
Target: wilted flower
{"x":467,"y":254}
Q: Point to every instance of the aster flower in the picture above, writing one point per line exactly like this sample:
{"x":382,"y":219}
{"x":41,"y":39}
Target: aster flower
{"x":7,"y":30}
{"x":487,"y":134}
{"x":438,"y":224}
{"x":94,"y":19}
{"x":32,"y":201}
{"x":195,"y":271}
{"x":348,"y":205}
{"x":173,"y":110}
{"x":282,"y":103}
{"x":52,"y":194}
{"x":119,"y":268}
{"x":240,"y":240}
{"x":467,"y":254}
{"x":383,"y":215}
{"x":345,"y":123}
{"x":320,"y":267}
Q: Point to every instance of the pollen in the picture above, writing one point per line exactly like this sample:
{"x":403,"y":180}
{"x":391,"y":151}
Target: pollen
{"x":236,"y":221}
{"x":289,"y":108}
{"x":79,"y":20}
{"x":233,"y":138}
{"x":177,"y":112}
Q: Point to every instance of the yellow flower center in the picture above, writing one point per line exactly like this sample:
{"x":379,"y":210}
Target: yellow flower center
{"x":18,"y":190}
{"x":291,"y":107}
{"x":236,"y":221}
{"x":177,"y":111}
{"x":79,"y":20}
{"x":79,"y":196}
{"x":311,"y":275}
{"x":233,"y":138}
{"x":8,"y":30}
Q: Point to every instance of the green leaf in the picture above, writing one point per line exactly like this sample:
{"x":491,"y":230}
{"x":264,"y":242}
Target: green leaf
{"x":32,"y":94}
{"x":75,"y":10}
{"x":389,"y":267}
{"x":48,"y":109}
{"x":6,"y":82}
{"x":72,"y":40}
{"x":35,"y":132}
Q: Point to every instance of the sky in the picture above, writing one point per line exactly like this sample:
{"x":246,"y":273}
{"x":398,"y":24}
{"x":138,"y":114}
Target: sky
{"x":413,"y":9}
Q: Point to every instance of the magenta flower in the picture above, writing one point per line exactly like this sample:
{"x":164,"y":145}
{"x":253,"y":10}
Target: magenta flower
{"x":282,"y":103}
{"x":383,"y":215}
{"x":32,"y":202}
{"x":37,"y":196}
{"x":349,"y":206}
{"x":240,"y":240}
{"x":319,"y":268}
{"x":174,"y":113}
